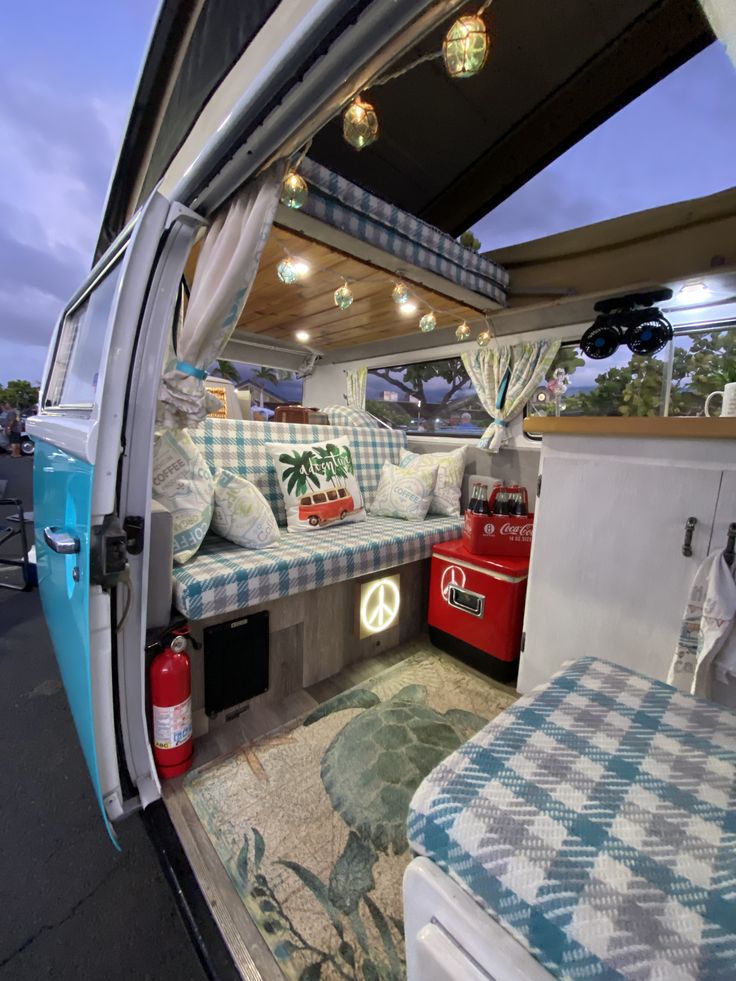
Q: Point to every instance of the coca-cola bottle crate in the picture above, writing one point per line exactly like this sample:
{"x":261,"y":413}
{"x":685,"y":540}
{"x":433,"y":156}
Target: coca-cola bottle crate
{"x":499,"y":534}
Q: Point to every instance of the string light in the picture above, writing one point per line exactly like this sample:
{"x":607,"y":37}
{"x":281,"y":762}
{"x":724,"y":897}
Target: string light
{"x":360,"y":124}
{"x":294,"y":190}
{"x":463,"y":331}
{"x":400,"y":294}
{"x":343,"y":296}
{"x":484,"y":338}
{"x":428,"y":322}
{"x":465,"y":47}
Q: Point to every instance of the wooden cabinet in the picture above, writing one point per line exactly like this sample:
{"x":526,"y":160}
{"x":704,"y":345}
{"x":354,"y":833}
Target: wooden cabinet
{"x":608,"y":577}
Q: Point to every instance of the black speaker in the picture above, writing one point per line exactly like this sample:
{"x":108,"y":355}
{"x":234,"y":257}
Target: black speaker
{"x":235,"y":661}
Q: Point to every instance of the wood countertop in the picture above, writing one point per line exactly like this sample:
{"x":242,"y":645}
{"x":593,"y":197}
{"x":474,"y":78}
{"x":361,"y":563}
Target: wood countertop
{"x":656,"y":427}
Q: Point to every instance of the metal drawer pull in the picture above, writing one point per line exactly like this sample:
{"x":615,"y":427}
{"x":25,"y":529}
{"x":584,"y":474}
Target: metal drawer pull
{"x":60,"y":541}
{"x":687,"y":545}
{"x":463,"y":599}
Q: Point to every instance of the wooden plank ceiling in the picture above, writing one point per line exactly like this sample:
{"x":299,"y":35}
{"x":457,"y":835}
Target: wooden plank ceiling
{"x":279,"y":311}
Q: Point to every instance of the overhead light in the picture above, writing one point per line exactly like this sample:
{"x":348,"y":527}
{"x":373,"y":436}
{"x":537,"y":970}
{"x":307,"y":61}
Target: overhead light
{"x":694,"y":291}
{"x":302,"y":336}
{"x":301,"y":268}
{"x":408,"y":308}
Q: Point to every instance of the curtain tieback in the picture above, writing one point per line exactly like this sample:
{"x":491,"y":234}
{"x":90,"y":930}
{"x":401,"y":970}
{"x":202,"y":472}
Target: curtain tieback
{"x":190,"y":369}
{"x":501,"y":422}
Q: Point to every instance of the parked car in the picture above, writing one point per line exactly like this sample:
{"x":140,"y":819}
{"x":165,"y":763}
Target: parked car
{"x":27,"y":446}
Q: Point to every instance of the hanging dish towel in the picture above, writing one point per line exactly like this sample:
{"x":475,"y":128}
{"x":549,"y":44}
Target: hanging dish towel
{"x":707,"y":645}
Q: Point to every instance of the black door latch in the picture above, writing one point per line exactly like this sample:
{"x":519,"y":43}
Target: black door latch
{"x":108,"y":552}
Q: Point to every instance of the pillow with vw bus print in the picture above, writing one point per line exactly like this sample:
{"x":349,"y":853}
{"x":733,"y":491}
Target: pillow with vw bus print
{"x":450,"y":471}
{"x":405,"y":493}
{"x":318,"y":483}
{"x":182,"y":482}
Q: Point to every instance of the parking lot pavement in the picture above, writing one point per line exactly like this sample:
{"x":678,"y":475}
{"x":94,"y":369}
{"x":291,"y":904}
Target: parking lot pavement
{"x":70,"y":905}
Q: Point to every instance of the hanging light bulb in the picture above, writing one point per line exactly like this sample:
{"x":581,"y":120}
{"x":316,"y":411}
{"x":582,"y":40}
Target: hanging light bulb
{"x":400,"y":294}
{"x":428,"y":322}
{"x":463,"y":332}
{"x":294,"y":190}
{"x":484,"y":338}
{"x":290,"y":270}
{"x":465,"y":47}
{"x":343,"y":296}
{"x":360,"y":124}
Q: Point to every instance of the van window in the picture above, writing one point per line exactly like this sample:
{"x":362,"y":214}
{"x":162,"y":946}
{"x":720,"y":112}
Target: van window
{"x":342,"y":492}
{"x":320,"y":499}
{"x":332,"y":496}
{"x":436,"y":398}
{"x":73,"y":379}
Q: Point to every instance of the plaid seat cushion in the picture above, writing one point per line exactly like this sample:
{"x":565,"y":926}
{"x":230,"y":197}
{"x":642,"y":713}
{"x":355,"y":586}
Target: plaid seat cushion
{"x":223,"y":578}
{"x":343,"y":415}
{"x":240,"y":446}
{"x":595,"y":820}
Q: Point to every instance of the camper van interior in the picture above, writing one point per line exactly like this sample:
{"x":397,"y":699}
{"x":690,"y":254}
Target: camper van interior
{"x":423,"y":631}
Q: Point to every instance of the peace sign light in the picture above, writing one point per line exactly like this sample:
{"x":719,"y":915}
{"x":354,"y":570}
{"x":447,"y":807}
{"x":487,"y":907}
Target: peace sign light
{"x":380,"y":600}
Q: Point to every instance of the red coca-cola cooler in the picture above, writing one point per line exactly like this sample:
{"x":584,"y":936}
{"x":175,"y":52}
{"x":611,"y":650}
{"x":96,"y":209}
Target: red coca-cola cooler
{"x":476,"y":607}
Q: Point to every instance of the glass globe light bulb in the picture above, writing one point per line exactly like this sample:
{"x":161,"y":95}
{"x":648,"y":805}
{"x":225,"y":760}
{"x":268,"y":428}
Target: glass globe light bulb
{"x":465,"y":47}
{"x":343,"y":297}
{"x":463,"y":332}
{"x":428,"y":322}
{"x":287,"y":272}
{"x":400,"y":294}
{"x":294,"y":190}
{"x":484,"y":338}
{"x":360,"y":124}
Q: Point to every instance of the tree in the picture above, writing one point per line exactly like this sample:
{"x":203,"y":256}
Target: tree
{"x":21,"y":394}
{"x":469,"y":240}
{"x":411,"y":379}
{"x":228,"y":371}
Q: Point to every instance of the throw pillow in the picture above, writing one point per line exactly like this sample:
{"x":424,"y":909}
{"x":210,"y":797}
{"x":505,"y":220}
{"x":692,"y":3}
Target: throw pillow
{"x":242,"y":514}
{"x":343,"y":415}
{"x":318,"y":483}
{"x":405,"y":493}
{"x":182,"y":483}
{"x":450,"y":471}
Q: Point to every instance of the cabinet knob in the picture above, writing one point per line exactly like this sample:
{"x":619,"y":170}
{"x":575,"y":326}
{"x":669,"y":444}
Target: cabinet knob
{"x":687,"y":545}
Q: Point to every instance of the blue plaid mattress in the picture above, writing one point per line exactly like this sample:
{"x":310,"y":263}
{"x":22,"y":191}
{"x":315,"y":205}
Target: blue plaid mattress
{"x":223,"y":577}
{"x":595,"y":820}
{"x":362,"y":215}
{"x":240,"y":446}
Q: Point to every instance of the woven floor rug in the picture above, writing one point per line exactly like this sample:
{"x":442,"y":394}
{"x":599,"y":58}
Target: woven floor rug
{"x":309,"y":820}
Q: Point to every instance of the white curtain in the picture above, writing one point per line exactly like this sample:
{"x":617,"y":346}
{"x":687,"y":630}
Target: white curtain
{"x":356,"y":382}
{"x":722,"y":17}
{"x":505,"y":378}
{"x":226,"y":268}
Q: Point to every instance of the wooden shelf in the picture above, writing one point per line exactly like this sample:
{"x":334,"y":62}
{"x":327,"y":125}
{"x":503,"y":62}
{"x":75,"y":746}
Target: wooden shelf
{"x":655,"y":427}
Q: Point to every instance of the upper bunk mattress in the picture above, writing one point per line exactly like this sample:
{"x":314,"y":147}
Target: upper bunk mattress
{"x":347,"y":207}
{"x":595,"y":820}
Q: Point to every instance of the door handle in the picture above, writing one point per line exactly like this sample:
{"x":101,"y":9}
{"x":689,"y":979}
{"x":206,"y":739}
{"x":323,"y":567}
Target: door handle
{"x":60,"y":541}
{"x":687,"y":545}
{"x":467,"y":601}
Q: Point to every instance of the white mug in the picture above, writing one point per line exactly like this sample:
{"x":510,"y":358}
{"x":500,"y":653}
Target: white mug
{"x":729,"y":400}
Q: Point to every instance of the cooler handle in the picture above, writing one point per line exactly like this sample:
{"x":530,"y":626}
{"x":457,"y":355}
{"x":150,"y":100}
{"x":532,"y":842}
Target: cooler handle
{"x":467,"y":601}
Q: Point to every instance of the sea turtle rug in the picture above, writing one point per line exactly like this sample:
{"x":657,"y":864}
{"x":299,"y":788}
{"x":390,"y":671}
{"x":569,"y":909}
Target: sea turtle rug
{"x":309,"y":820}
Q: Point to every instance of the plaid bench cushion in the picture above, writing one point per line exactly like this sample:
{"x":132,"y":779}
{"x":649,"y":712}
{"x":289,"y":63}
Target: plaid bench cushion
{"x":595,"y":820}
{"x":223,"y":577}
{"x":241,"y":446}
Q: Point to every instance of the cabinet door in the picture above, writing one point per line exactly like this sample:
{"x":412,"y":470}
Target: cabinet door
{"x":608,"y":577}
{"x":725,"y":511}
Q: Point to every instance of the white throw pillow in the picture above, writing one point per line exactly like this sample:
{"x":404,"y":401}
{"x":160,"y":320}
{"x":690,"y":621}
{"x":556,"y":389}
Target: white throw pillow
{"x":405,"y":493}
{"x":182,"y":482}
{"x":242,"y":514}
{"x":318,"y":483}
{"x":450,"y":471}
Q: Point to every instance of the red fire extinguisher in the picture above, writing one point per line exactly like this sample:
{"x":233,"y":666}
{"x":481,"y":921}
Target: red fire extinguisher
{"x":171,"y":703}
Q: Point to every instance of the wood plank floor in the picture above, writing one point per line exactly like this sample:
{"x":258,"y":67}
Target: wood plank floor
{"x":249,"y":950}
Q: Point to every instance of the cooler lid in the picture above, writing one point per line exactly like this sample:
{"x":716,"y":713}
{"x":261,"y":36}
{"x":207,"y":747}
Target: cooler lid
{"x":508,"y":565}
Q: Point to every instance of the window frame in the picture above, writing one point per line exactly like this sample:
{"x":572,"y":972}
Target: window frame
{"x":702,"y":327}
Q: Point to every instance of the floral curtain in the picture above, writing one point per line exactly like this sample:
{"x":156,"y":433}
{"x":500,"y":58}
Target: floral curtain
{"x":356,"y":382}
{"x":505,"y":378}
{"x":722,"y":17}
{"x":226,"y":268}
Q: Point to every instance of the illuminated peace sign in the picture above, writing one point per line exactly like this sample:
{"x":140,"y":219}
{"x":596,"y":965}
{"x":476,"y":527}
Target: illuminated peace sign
{"x":452,"y":576}
{"x":379,"y":607}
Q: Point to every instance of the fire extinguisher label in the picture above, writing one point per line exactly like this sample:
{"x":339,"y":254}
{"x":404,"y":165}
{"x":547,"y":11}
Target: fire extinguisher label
{"x":172,"y":724}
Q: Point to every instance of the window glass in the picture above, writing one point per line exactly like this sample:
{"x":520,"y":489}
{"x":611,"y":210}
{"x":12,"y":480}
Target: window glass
{"x":435,"y":398}
{"x":73,"y":380}
{"x":673,"y":382}
{"x":268,"y":387}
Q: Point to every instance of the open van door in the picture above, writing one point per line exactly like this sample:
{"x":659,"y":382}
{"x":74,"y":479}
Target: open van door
{"x":80,"y":438}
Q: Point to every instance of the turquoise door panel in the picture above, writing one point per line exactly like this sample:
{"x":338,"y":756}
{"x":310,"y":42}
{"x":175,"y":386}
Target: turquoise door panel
{"x":62,"y":499}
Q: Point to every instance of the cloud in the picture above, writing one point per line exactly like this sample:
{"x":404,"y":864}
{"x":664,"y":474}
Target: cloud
{"x":56,"y":152}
